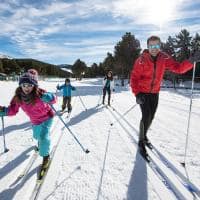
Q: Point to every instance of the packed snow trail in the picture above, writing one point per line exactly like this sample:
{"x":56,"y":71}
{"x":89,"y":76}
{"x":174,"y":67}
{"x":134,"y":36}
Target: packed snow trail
{"x":164,"y":165}
{"x":178,"y":193}
{"x":96,"y":178}
{"x":113,"y":169}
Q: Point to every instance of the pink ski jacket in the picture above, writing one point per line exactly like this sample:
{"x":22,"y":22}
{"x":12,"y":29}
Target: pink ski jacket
{"x":38,"y":112}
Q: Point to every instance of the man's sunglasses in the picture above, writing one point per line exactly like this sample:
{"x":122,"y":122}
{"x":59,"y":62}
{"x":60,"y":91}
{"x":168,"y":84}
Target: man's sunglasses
{"x":156,"y":46}
{"x":27,"y":85}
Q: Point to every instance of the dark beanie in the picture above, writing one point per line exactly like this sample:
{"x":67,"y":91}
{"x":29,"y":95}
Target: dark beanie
{"x":67,"y":80}
{"x":31,"y":76}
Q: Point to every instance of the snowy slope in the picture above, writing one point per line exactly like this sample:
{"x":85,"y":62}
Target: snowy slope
{"x":113,"y":169}
{"x":5,"y":56}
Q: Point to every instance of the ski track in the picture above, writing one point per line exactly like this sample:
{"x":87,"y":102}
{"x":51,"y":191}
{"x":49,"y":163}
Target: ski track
{"x":110,"y":169}
{"x":170,"y":174}
{"x":172,"y":139}
{"x":82,"y":179}
{"x":133,"y":194}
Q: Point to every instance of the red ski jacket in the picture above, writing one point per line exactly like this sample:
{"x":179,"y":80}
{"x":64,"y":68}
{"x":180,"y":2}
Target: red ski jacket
{"x":146,"y":75}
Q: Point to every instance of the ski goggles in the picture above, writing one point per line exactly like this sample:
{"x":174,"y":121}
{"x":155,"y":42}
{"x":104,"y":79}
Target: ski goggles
{"x":27,"y":85}
{"x":155,"y":46}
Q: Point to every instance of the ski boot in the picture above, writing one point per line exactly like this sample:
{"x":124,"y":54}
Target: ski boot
{"x":44,"y":166}
{"x":69,"y":109}
{"x":143,"y":150}
{"x":148,"y":143}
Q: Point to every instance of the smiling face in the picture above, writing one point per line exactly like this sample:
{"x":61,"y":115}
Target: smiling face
{"x":67,"y":82}
{"x":109,"y":74}
{"x":154,"y":47}
{"x":27,"y":88}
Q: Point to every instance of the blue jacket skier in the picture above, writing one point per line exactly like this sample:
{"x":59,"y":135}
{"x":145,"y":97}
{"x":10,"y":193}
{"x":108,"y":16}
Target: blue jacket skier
{"x":67,"y":94}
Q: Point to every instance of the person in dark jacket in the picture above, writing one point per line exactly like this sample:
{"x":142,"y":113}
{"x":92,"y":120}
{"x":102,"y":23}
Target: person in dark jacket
{"x":146,"y":77}
{"x":108,"y":85}
{"x":67,"y":96}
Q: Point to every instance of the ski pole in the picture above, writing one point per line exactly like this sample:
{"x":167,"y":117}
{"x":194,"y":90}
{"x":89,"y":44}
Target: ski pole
{"x":99,"y":100}
{"x":56,"y":93}
{"x":61,"y":119}
{"x":113,"y":95}
{"x":81,"y":101}
{"x":100,"y":96}
{"x":123,"y":115}
{"x":4,"y":139}
{"x":190,"y":108}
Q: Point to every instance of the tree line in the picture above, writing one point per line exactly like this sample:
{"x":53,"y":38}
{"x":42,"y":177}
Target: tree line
{"x":121,"y":61}
{"x":126,"y":51}
{"x":18,"y":66}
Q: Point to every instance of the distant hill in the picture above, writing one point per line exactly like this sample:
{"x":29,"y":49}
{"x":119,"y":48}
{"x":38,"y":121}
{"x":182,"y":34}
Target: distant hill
{"x":66,"y":67}
{"x":5,"y":56}
{"x":10,"y":66}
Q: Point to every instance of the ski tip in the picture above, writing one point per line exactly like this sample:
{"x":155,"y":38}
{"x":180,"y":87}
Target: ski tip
{"x":148,"y":160}
{"x":39,"y":181}
{"x":87,"y":151}
{"x":79,"y":167}
{"x":145,"y":156}
{"x":190,"y":188}
{"x":6,"y":150}
{"x":20,"y":176}
{"x":183,"y":164}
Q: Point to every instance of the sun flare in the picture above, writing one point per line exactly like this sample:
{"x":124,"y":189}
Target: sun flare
{"x":156,"y":12}
{"x":159,"y":11}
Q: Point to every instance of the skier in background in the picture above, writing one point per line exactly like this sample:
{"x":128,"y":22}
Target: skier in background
{"x":108,"y":85}
{"x":67,"y":94}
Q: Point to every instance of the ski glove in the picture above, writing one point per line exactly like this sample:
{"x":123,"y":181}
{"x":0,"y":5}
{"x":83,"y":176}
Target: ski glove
{"x":195,"y":57}
{"x":73,"y":88}
{"x":3,"y":111}
{"x":140,"y":98}
{"x":47,"y":97}
{"x":58,"y":87}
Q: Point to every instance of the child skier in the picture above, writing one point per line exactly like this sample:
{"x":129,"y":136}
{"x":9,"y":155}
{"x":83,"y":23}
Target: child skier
{"x":66,"y":89}
{"x":35,"y":103}
{"x":108,"y":85}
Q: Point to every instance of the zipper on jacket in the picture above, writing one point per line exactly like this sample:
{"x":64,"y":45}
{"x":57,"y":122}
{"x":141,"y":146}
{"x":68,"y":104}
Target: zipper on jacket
{"x":154,"y":75}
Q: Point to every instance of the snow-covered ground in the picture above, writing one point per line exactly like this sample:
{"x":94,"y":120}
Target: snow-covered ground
{"x":113,"y":170}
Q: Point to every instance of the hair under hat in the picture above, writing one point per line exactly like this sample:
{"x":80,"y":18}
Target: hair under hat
{"x":31,"y":76}
{"x":67,"y":80}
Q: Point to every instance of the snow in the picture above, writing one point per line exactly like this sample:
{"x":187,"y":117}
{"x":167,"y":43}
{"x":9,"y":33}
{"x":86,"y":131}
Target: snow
{"x":113,"y":169}
{"x":67,"y":70}
{"x":5,"y":56}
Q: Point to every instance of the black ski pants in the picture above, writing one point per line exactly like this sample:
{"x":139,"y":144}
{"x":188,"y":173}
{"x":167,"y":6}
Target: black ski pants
{"x":104,"y":94}
{"x":148,"y":109}
{"x":66,"y":102}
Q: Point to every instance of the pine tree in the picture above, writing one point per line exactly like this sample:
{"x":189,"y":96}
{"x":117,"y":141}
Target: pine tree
{"x":169,"y":46}
{"x":196,"y":43}
{"x":126,"y":52}
{"x":78,"y":68}
{"x":1,"y":67}
{"x":183,"y":43}
{"x":109,"y":62}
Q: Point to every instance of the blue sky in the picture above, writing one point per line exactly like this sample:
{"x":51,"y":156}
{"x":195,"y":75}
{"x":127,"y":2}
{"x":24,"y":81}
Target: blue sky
{"x":62,"y":31}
